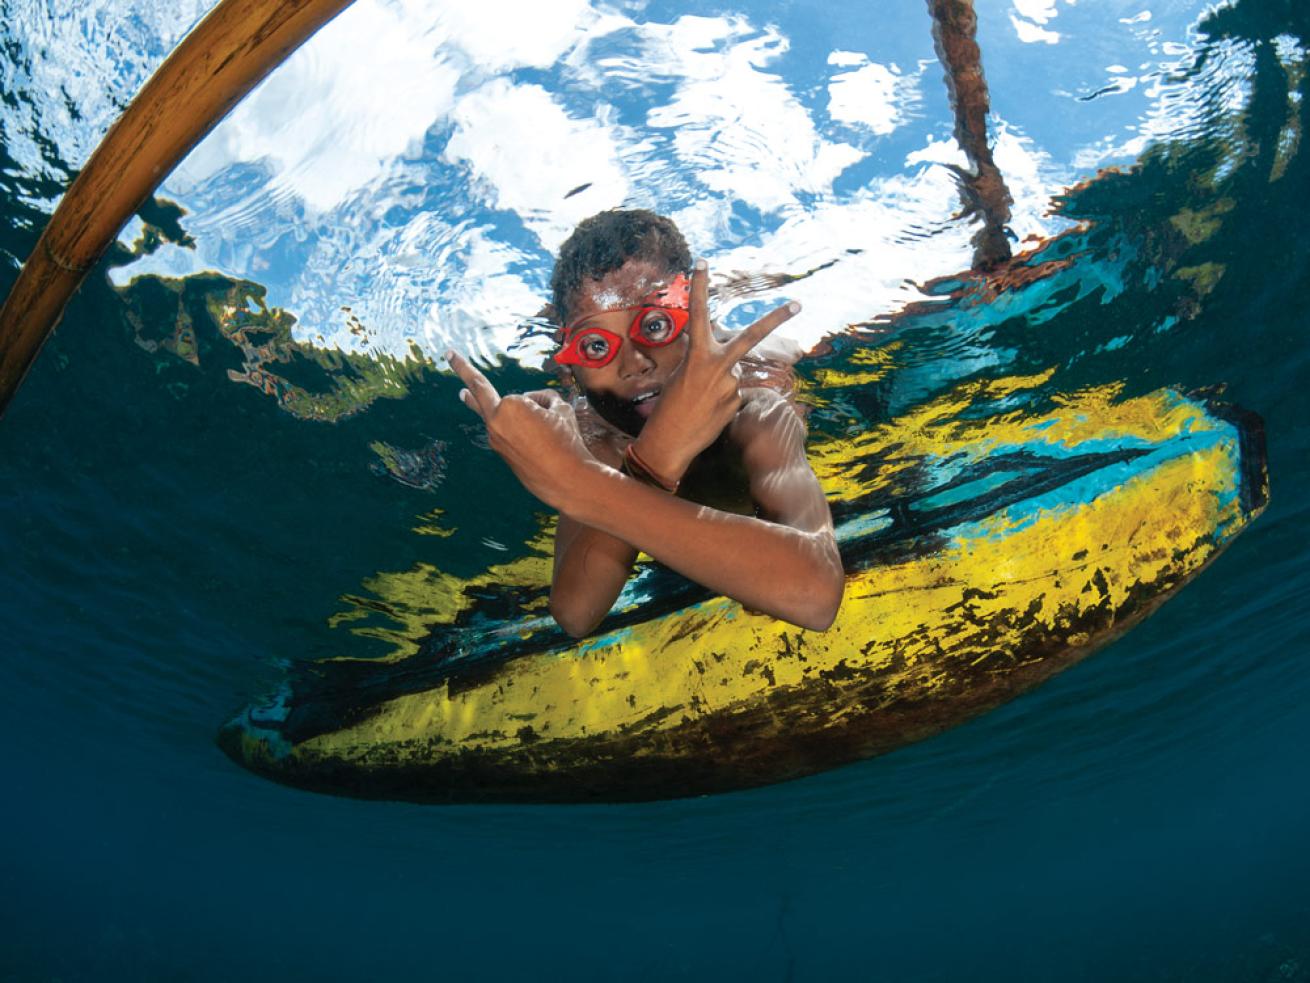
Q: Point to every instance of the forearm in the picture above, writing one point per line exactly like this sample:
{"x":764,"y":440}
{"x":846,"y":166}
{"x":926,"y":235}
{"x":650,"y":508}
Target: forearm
{"x":590,"y":570}
{"x":792,"y":574}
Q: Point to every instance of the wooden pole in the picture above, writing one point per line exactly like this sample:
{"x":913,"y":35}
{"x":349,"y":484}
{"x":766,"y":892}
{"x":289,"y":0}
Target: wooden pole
{"x":227,"y":54}
{"x":955,"y":29}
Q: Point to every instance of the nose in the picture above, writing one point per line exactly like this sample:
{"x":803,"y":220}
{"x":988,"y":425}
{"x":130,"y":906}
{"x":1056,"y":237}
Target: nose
{"x":634,"y":361}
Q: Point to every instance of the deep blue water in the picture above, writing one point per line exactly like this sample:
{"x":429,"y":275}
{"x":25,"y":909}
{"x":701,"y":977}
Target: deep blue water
{"x":169,"y":534}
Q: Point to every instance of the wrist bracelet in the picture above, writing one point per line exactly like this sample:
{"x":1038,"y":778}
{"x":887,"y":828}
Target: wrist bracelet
{"x":635,"y":467}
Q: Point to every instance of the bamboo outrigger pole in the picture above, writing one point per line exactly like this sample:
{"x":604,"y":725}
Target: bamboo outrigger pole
{"x":223,"y":58}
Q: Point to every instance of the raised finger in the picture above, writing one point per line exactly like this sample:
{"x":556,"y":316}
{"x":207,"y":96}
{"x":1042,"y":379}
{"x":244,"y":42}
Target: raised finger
{"x":760,"y":330}
{"x":481,"y":391}
{"x":467,"y":399}
{"x":702,"y":334}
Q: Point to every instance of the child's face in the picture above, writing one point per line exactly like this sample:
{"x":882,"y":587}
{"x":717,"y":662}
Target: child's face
{"x":626,"y":390}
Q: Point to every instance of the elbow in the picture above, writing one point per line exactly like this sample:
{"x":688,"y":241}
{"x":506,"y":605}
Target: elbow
{"x":828,"y":591}
{"x":821,"y":596}
{"x":575,"y":622}
{"x":819,"y":609}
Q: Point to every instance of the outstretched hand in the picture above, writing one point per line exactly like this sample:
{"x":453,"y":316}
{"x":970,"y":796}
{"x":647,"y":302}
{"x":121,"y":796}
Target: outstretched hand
{"x":536,"y":433}
{"x":703,"y":394}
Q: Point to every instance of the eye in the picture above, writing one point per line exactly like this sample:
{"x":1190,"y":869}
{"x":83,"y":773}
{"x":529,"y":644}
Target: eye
{"x":656,"y":326}
{"x":593,"y":347}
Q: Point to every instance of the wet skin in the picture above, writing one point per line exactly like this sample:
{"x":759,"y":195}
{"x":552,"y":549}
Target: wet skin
{"x":677,"y":400}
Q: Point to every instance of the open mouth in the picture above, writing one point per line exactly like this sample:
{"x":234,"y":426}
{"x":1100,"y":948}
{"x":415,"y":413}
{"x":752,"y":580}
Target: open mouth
{"x":645,"y":402}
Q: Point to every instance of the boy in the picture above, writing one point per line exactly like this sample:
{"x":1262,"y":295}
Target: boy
{"x":638,"y":342}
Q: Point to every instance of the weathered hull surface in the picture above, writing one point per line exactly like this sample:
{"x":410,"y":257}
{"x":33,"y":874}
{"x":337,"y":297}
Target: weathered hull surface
{"x":982,"y":557}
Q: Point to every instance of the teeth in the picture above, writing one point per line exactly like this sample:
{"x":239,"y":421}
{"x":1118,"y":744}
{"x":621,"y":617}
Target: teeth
{"x":644,"y":396}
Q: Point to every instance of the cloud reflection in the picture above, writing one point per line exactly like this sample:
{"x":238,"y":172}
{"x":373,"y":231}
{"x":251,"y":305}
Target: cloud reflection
{"x":419,"y":162}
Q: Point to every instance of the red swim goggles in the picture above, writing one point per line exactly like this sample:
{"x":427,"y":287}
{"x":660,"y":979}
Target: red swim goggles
{"x":657,"y":321}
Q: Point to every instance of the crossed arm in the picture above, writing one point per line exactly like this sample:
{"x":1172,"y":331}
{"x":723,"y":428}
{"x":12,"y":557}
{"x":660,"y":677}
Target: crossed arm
{"x":784,"y":563}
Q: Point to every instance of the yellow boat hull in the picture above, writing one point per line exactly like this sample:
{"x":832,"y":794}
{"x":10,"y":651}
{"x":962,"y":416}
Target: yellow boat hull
{"x":981,"y":559}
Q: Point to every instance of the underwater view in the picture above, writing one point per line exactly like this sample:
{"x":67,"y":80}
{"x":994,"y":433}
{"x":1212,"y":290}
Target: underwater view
{"x":281,"y":690}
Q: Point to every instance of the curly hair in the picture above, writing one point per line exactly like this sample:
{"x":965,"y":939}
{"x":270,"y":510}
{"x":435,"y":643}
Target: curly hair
{"x":604,"y":242}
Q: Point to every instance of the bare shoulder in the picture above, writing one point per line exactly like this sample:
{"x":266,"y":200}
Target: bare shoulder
{"x":770,"y":432}
{"x":766,"y":415}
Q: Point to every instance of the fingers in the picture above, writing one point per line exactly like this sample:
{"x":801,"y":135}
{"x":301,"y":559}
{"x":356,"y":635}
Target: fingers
{"x":482,"y":397}
{"x":760,"y":330}
{"x":466,"y":398}
{"x":702,"y":335}
{"x":551,"y":401}
{"x":547,"y":399}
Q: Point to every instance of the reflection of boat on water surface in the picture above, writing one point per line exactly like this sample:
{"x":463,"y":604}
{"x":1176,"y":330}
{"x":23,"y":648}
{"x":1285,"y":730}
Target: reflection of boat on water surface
{"x":981,"y":556}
